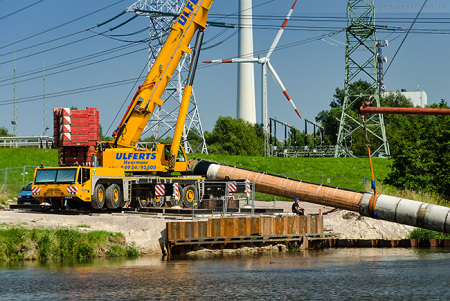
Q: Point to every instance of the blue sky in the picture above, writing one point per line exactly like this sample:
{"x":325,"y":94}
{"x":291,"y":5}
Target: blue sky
{"x":310,"y":71}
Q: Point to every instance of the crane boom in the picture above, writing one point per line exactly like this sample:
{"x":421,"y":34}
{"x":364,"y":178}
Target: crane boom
{"x":148,"y":96}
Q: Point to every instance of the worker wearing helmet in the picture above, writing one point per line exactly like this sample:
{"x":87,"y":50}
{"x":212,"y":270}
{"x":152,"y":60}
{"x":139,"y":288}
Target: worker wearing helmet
{"x":296,"y":207}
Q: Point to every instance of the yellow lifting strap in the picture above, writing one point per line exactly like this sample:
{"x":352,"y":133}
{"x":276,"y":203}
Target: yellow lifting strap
{"x":373,"y":199}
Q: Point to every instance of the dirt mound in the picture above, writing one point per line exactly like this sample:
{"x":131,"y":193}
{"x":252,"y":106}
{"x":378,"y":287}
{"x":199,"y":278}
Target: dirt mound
{"x":351,"y":225}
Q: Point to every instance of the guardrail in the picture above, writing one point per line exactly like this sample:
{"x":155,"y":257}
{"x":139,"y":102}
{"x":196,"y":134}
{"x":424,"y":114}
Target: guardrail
{"x":26,"y":141}
{"x":305,"y":151}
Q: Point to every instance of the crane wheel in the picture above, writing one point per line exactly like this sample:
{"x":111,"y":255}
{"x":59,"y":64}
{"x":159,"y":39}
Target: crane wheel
{"x":142,"y":202}
{"x":113,"y":196}
{"x":98,"y":197}
{"x":188,"y":195}
{"x":172,"y":202}
{"x":158,"y":201}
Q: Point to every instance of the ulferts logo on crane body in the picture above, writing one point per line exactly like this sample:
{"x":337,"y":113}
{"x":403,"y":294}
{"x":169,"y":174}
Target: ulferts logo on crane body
{"x":188,"y":9}
{"x":136,"y":156}
{"x":136,"y":161}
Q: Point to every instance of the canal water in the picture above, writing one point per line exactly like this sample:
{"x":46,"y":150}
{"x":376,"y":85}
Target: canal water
{"x":332,"y":274}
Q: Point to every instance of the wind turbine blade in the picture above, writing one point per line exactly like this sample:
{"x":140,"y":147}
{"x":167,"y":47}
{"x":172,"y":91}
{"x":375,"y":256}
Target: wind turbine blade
{"x":280,"y":84}
{"x":234,"y":60}
{"x":280,"y":32}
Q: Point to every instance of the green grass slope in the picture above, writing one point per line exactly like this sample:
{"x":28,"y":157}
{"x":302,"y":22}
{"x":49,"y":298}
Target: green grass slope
{"x":18,"y":157}
{"x":17,"y":167}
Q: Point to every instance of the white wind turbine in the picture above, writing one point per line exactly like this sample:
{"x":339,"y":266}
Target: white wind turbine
{"x":265,"y":63}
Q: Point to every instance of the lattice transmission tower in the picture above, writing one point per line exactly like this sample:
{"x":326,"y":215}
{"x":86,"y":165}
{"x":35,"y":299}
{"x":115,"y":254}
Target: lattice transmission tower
{"x":162,"y":14}
{"x":361,"y":64}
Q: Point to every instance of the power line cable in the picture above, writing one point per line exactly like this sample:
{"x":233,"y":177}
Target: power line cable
{"x":22,"y":9}
{"x":125,"y":100}
{"x":68,"y":62}
{"x":74,"y":61}
{"x":42,"y":43}
{"x":70,"y":43}
{"x":61,"y":25}
{"x":81,"y":66}
{"x":238,"y":12}
{"x":398,"y":49}
{"x":46,"y":50}
{"x":71,"y":91}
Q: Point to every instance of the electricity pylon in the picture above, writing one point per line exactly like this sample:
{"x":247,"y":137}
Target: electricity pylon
{"x":162,"y":14}
{"x":361,"y":64}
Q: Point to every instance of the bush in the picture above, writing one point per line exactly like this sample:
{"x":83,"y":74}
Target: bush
{"x":427,"y":234}
{"x":235,"y":137}
{"x":17,"y":244}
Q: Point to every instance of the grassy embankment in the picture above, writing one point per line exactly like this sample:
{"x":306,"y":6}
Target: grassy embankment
{"x":18,"y":244}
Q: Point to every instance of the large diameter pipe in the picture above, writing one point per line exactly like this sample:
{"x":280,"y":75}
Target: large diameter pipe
{"x":408,"y":212}
{"x":389,"y":208}
{"x":404,"y":111}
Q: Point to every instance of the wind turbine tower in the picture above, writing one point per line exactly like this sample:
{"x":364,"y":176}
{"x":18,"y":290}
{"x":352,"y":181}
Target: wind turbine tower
{"x":246,"y":107}
{"x":265,"y":63}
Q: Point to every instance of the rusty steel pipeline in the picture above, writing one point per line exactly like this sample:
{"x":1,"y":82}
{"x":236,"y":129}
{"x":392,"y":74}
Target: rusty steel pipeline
{"x":389,"y":208}
{"x":403,"y":111}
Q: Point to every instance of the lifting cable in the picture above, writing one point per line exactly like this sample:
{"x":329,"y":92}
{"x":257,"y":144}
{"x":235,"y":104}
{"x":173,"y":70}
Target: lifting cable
{"x":373,"y":198}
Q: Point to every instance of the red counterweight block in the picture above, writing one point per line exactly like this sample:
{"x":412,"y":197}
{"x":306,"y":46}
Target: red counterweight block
{"x":76,"y":127}
{"x":76,"y":132}
{"x":75,"y":155}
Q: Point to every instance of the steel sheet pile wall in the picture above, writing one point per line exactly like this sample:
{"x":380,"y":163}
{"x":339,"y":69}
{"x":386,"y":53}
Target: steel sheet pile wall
{"x":75,"y":135}
{"x":235,"y":230}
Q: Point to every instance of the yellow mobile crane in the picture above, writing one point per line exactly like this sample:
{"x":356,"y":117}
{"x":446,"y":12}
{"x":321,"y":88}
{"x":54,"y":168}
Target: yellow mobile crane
{"x":123,"y":174}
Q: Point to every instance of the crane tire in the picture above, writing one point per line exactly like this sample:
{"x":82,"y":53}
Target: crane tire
{"x":158,"y":201}
{"x":188,"y":195}
{"x":142,"y":202}
{"x":98,"y":197}
{"x":113,"y":196}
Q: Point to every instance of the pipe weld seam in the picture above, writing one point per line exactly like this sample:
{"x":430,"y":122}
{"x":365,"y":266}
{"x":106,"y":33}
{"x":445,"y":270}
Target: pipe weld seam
{"x":317,"y":191}
{"x":420,"y":221}
{"x":445,"y":222}
{"x":396,"y":210}
{"x":332,"y":197}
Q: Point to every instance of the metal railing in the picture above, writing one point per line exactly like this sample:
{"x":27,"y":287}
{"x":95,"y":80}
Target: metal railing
{"x":26,"y":141}
{"x":239,"y":192}
{"x":305,"y":151}
{"x":15,"y":178}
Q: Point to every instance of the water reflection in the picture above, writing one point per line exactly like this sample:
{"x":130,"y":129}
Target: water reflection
{"x":331,"y":273}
